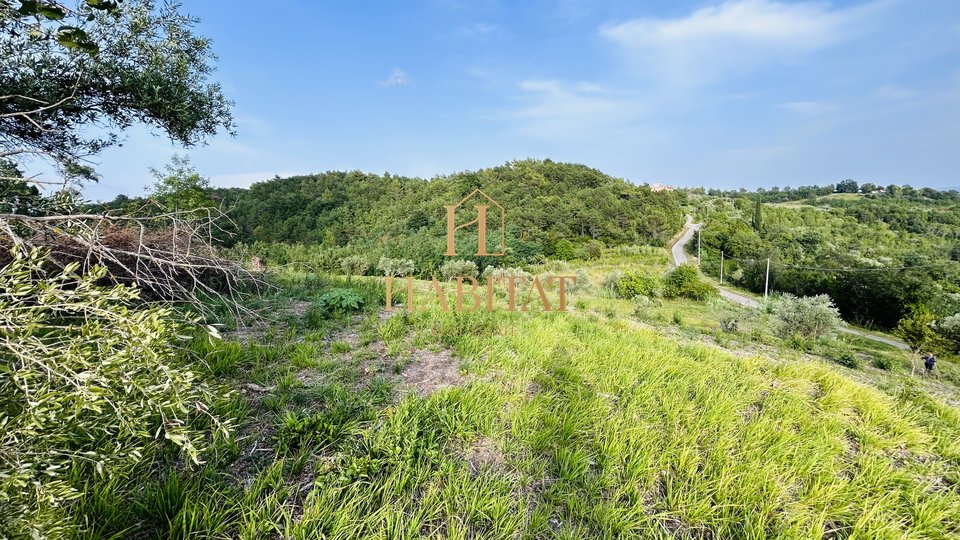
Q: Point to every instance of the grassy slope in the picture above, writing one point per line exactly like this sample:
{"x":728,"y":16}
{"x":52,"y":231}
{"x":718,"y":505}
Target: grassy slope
{"x":580,"y":425}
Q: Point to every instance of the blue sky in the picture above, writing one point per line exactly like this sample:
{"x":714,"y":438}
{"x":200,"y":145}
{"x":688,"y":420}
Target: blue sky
{"x":739,"y":93}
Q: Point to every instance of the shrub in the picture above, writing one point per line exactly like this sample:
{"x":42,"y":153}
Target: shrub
{"x":458,"y":268}
{"x":87,"y":384}
{"x":638,"y":283}
{"x":677,"y":318}
{"x":684,"y":281}
{"x":883,"y":362}
{"x":494,"y":272}
{"x":594,"y":250}
{"x":564,"y":250}
{"x":354,"y":265}
{"x":846,"y":357}
{"x":339,"y":301}
{"x":810,"y":317}
{"x":395,"y":267}
{"x":582,"y":283}
{"x":611,"y":281}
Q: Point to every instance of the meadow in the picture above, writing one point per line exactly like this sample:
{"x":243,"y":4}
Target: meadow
{"x":617,"y":419}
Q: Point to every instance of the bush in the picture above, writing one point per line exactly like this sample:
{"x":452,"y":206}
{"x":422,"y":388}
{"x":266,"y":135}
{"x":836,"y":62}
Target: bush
{"x":684,"y":281}
{"x":339,"y":301}
{"x":810,"y":317}
{"x":611,"y":282}
{"x":638,"y":283}
{"x":458,"y":268}
{"x":564,"y":250}
{"x":594,"y":250}
{"x":354,"y":265}
{"x":87,"y":384}
{"x":496,"y":273}
{"x":395,"y":267}
{"x":883,"y":362}
{"x":846,"y":357}
{"x":582,"y":283}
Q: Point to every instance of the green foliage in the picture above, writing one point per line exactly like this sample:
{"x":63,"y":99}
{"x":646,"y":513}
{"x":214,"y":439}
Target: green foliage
{"x":594,"y":250}
{"x":180,"y":187}
{"x":917,"y":329}
{"x":545,"y":202}
{"x":86,"y":383}
{"x":847,"y":358}
{"x":639,"y":283}
{"x":564,"y":250}
{"x":340,"y":301}
{"x":395,"y":267}
{"x":314,"y":431}
{"x":809,"y":317}
{"x":684,"y":281}
{"x":847,"y":186}
{"x":874,"y":255}
{"x":102,"y":66}
{"x":458,"y":268}
{"x":354,"y":265}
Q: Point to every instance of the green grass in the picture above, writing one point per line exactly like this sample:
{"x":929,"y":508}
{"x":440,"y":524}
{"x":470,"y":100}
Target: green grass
{"x":612,"y":421}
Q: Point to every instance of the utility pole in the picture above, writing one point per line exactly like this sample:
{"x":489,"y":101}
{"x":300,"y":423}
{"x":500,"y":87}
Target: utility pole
{"x":698,"y":248}
{"x":766,"y":285}
{"x":721,"y":268}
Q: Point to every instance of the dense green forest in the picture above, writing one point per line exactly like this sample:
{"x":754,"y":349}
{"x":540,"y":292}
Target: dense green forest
{"x":553,"y":210}
{"x":879,"y":256}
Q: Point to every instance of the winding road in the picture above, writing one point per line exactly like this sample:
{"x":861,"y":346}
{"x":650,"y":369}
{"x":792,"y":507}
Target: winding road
{"x":680,"y":257}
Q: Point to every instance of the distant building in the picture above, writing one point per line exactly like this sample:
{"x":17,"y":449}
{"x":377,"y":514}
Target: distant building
{"x":660,"y":187}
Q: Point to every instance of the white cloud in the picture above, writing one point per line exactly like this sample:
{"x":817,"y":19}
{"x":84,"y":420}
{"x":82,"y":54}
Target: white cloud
{"x":717,"y":41}
{"x":397,"y":77}
{"x":557,"y":109}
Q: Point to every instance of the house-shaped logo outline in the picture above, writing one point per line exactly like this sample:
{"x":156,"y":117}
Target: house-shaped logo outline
{"x":452,"y":227}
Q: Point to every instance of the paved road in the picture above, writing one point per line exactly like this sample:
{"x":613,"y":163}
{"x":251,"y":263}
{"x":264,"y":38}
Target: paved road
{"x":680,"y":257}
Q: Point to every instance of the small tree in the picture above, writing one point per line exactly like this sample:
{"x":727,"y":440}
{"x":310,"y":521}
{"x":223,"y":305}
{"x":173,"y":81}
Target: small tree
{"x":458,"y":268}
{"x":180,"y":187}
{"x":809,"y":317}
{"x":395,"y":267}
{"x":917,"y":329}
{"x":354,"y":265}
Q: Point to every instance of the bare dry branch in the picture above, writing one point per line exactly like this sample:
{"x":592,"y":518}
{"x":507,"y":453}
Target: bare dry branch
{"x":169,"y":255}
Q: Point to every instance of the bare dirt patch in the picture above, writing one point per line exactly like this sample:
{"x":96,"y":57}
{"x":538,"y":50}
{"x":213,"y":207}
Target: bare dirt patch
{"x":430,"y":372}
{"x":484,"y":454}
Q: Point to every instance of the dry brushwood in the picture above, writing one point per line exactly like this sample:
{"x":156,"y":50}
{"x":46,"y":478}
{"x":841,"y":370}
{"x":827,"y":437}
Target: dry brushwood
{"x":169,"y":255}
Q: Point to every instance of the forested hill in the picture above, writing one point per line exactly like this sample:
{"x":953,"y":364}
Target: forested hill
{"x":551,"y":208}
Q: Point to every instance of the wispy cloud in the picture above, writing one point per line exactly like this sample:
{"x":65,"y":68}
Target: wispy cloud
{"x":717,"y":41}
{"x":397,"y":77}
{"x":558,"y":109}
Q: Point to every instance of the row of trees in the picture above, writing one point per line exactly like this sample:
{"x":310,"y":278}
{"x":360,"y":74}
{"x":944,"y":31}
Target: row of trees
{"x":786,"y":194}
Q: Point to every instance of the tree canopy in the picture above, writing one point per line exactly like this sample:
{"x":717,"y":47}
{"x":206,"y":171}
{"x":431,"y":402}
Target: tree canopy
{"x":74,"y":78}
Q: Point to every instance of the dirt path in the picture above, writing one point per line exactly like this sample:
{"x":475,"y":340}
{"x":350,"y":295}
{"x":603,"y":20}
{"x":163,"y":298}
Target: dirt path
{"x":680,"y":257}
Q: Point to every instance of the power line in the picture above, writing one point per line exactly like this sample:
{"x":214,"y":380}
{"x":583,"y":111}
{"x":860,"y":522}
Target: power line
{"x":824,"y":269}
